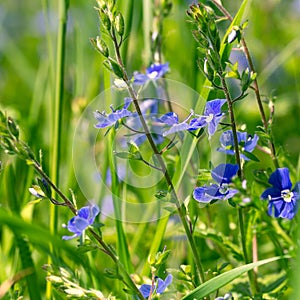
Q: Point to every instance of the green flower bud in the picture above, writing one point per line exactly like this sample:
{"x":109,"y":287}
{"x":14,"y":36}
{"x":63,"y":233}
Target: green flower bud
{"x":101,"y":4}
{"x":105,"y":19}
{"x":13,"y":127}
{"x":101,"y":46}
{"x":119,"y":23}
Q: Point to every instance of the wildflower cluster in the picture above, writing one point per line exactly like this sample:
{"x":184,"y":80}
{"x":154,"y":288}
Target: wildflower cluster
{"x":155,"y":126}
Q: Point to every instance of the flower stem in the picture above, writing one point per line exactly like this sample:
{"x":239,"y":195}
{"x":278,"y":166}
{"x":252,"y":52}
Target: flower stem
{"x":233,"y":125}
{"x":251,"y":273}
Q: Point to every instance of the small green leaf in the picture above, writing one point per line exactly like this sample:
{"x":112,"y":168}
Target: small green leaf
{"x":251,"y":156}
{"x":128,"y":155}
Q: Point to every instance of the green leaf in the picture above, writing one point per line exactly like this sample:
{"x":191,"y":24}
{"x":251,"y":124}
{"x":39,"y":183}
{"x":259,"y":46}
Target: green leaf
{"x":219,"y":281}
{"x":128,"y":155}
{"x":250,"y":156}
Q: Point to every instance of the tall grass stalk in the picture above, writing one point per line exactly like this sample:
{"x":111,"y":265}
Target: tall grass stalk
{"x":57,"y":113}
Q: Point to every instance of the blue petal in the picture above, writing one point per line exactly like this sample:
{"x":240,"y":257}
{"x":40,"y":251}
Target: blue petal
{"x":289,"y":210}
{"x":272,"y":192}
{"x":251,"y":143}
{"x":80,"y":224}
{"x":197,"y":123}
{"x":275,"y":207}
{"x":226,"y":138}
{"x":280,"y":178}
{"x":212,"y":127}
{"x":139,"y":78}
{"x":176,"y":128}
{"x":84,"y":212}
{"x":223,"y":173}
{"x":241,"y":137}
{"x":205,"y":194}
{"x":214,"y":106}
{"x":169,"y":118}
{"x":156,"y":71}
{"x":163,"y":284}
{"x":69,"y":237}
{"x":230,"y":193}
{"x":145,"y":290}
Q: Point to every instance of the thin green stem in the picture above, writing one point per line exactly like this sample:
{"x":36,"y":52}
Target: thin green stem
{"x":68,"y":203}
{"x":233,"y":125}
{"x":251,"y":274}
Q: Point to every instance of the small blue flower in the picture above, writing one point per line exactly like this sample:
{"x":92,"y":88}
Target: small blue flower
{"x":171,"y":119}
{"x":222,"y":174}
{"x":154,"y":72}
{"x":227,"y":296}
{"x":283,"y":201}
{"x":211,"y":117}
{"x":85,"y":217}
{"x":159,"y":288}
{"x":246,"y":142}
{"x":105,"y":120}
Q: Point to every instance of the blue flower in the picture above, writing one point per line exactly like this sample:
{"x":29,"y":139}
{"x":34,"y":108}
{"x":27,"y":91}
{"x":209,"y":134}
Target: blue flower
{"x":105,"y":120}
{"x":227,"y":296}
{"x":246,"y":142}
{"x":154,"y":72}
{"x":211,"y":117}
{"x":159,"y":288}
{"x":85,"y":217}
{"x":171,"y":119}
{"x":222,"y":175}
{"x":283,"y":201}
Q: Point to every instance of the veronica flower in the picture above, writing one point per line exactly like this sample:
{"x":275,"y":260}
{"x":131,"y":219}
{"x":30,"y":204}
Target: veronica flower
{"x":211,"y":117}
{"x":171,"y":119}
{"x":283,"y":201}
{"x":154,"y":72}
{"x":85,"y":217}
{"x":246,"y":142}
{"x":105,"y":120}
{"x":222,"y":175}
{"x":159,"y":287}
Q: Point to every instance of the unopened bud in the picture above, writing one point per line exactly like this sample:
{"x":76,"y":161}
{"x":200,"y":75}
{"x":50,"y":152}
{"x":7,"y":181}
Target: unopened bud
{"x":105,"y":20}
{"x":101,"y":46}
{"x":119,"y":23}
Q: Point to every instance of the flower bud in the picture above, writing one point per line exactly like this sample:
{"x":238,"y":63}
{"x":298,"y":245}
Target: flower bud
{"x":119,"y":23}
{"x":12,"y":127}
{"x":101,"y":46}
{"x":105,"y":20}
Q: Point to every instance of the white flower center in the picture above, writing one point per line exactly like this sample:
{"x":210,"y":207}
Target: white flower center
{"x":153,"y":74}
{"x":223,"y":189}
{"x":209,"y":118}
{"x":287,"y":195}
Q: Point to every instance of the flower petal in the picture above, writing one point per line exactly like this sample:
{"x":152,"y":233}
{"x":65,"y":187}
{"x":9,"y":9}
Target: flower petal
{"x":214,"y":106}
{"x":223,"y":173}
{"x":280,"y":178}
{"x":145,"y":290}
{"x":163,"y":284}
